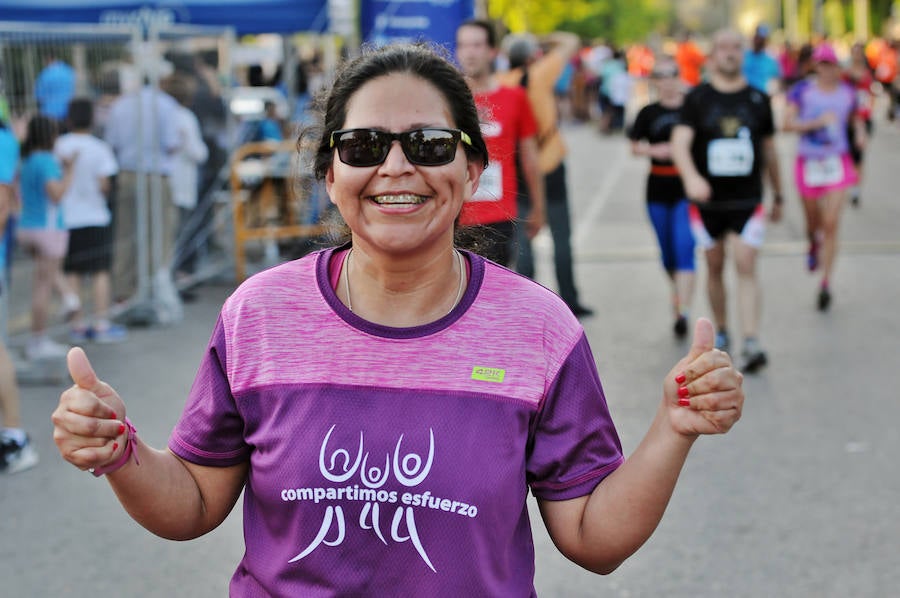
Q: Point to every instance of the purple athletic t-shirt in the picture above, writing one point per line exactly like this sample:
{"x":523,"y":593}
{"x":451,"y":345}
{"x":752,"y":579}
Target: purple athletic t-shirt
{"x":812,"y":102}
{"x":396,"y":461}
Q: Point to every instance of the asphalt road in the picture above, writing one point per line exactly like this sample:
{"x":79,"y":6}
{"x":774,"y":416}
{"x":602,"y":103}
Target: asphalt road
{"x":801,"y":499}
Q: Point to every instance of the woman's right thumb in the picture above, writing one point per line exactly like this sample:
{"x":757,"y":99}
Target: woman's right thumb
{"x":80,"y":369}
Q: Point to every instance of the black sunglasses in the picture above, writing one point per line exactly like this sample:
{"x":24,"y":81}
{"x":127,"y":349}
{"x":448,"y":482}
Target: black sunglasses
{"x":429,"y":146}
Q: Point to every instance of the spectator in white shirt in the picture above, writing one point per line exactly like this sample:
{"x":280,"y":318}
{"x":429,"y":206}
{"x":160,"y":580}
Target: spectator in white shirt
{"x":141,"y":128}
{"x":186,"y":163}
{"x":87,"y":215}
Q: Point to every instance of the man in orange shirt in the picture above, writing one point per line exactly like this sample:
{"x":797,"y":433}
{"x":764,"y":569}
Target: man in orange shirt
{"x":690,"y":60}
{"x":537,"y":72}
{"x":882,"y":56}
{"x":640,"y":60}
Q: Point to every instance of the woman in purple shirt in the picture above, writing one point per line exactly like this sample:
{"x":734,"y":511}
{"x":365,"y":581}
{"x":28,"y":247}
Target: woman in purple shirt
{"x":386,"y":405}
{"x":821,"y":109}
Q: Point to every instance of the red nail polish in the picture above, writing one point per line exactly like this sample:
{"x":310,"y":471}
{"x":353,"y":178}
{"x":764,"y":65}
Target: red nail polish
{"x":684,"y":402}
{"x":680,"y":378}
{"x":121,"y":428}
{"x":683,"y":392}
{"x":113,"y":416}
{"x":115,"y":446}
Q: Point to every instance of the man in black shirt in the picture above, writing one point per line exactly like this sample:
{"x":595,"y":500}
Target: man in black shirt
{"x":721,"y":146}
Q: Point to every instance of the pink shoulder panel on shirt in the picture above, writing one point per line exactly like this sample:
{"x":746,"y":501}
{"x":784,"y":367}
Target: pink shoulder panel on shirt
{"x":508,"y":337}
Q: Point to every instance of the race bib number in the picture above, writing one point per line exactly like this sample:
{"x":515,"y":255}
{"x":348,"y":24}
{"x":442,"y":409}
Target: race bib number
{"x":490,"y":186}
{"x":730,"y":157}
{"x":823,"y":172}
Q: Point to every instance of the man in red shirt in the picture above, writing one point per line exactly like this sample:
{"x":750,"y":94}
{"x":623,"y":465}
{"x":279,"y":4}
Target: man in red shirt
{"x":510,"y":130}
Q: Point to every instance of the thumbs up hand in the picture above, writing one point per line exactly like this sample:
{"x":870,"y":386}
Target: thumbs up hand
{"x":703,"y":392}
{"x":88,"y":426}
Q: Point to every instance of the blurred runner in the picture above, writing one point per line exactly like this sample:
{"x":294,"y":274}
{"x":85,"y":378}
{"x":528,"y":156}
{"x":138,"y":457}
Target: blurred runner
{"x":859,"y":75}
{"x":690,"y":59}
{"x":722,"y":146}
{"x":667,"y":204}
{"x":761,"y":68}
{"x":821,"y":109}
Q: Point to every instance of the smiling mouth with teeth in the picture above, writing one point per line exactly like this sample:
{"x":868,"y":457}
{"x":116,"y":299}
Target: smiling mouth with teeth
{"x":403,"y":199}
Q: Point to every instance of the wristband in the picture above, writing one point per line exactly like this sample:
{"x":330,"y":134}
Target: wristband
{"x":126,"y":454}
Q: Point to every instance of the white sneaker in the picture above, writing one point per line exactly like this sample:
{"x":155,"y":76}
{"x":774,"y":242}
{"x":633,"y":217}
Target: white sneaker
{"x":71,"y":305}
{"x":45,"y":348}
{"x":18,"y":458}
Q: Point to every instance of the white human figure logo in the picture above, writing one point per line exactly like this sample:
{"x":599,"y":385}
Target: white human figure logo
{"x":338,"y":467}
{"x":323,"y":531}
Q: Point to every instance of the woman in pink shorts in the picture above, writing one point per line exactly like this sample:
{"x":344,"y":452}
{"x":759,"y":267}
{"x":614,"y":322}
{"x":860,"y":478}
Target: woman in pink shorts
{"x":821,"y":108}
{"x":42,"y":232}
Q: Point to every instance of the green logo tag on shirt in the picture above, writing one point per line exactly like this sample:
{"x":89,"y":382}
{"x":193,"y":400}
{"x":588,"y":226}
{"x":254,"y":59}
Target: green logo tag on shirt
{"x":488,"y":374}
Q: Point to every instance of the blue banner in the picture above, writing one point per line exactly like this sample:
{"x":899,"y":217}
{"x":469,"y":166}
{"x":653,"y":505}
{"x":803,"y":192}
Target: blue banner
{"x":246,"y":16}
{"x":386,"y":21}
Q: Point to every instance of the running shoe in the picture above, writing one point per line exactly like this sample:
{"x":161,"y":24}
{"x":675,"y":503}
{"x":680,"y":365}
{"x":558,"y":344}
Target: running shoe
{"x":17,"y":457}
{"x":812,"y":257}
{"x":79,"y":336}
{"x":71,"y":305}
{"x":44,"y":348}
{"x":723,"y":343}
{"x":824,"y":300}
{"x":681,"y":327}
{"x":113,"y":333}
{"x":752,"y":356}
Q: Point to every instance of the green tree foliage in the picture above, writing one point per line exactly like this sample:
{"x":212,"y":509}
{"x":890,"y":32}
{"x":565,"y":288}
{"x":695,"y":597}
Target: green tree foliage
{"x":628,"y":21}
{"x":837,"y":15}
{"x":880,"y":12}
{"x":621,"y":21}
{"x":538,"y":16}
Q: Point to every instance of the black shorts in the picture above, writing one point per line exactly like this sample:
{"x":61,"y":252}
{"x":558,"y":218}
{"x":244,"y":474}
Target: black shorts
{"x":90,"y":250}
{"x":747,"y":222}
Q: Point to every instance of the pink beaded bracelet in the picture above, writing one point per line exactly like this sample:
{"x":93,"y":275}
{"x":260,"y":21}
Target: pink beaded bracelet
{"x":126,"y":454}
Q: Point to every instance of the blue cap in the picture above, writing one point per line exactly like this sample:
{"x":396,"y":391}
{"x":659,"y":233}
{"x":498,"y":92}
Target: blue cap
{"x":762,"y":31}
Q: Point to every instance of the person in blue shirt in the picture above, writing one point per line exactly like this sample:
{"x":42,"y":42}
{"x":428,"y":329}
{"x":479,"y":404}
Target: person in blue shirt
{"x":54,"y":89}
{"x":614,"y":89}
{"x":9,"y":164}
{"x":269,"y":128}
{"x":760,"y":67}
{"x":16,"y":451}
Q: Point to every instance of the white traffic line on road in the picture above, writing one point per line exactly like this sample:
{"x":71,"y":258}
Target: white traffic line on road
{"x":588,"y":223}
{"x":770,"y":249}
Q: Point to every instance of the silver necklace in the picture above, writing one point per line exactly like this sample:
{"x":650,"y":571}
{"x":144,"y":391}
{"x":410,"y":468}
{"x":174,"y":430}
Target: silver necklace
{"x":459,"y":289}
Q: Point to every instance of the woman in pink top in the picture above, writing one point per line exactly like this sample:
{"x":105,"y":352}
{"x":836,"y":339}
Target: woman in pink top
{"x":386,"y":405}
{"x":821,"y":109}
